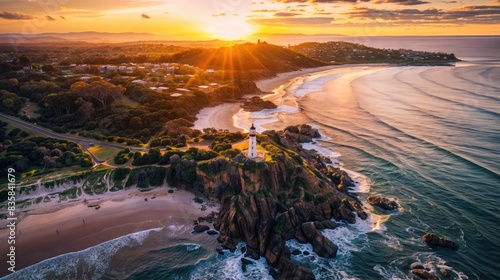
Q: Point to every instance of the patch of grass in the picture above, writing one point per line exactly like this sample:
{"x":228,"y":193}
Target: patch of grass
{"x":103,"y":152}
{"x":30,"y":108}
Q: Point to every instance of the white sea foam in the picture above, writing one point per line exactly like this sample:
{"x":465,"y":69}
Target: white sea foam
{"x":176,"y":229}
{"x":430,"y":261}
{"x":92,"y":261}
{"x":334,"y":156}
{"x":348,"y":238}
{"x":229,"y":266}
{"x":361,"y":182}
{"x":313,"y":84}
{"x":245,"y":119}
{"x":192,"y":247}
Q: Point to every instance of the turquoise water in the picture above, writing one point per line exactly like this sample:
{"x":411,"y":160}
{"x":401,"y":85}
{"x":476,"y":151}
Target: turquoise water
{"x":426,"y":136}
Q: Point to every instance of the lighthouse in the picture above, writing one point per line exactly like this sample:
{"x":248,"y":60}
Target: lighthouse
{"x":252,"y":143}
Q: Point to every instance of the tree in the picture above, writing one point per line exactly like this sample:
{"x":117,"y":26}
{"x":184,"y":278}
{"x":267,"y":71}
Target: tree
{"x":63,"y":102}
{"x":135,"y":123}
{"x":86,"y":109}
{"x":101,"y":91}
{"x":49,"y":161}
{"x":49,"y":68}
{"x":23,"y":60}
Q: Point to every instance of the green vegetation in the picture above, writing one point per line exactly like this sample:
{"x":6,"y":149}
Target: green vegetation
{"x":123,"y":156}
{"x":32,"y":154}
{"x":103,"y":152}
{"x":281,"y":225}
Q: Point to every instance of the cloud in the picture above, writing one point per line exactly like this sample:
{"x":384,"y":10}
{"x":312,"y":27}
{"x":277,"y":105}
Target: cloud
{"x":469,"y":14}
{"x":292,"y":21}
{"x":285,"y":14}
{"x":62,"y":17}
{"x":14,"y":16}
{"x":219,"y":15}
{"x":47,"y":17}
{"x":402,"y":2}
{"x":264,"y":11}
{"x":145,"y":16}
{"x":321,"y":1}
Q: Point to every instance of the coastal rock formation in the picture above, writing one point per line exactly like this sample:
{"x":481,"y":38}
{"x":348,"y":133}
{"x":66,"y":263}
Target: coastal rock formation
{"x":321,"y":245}
{"x":301,"y":134}
{"x":382,"y":202}
{"x":257,"y":104}
{"x":424,"y":274}
{"x":265,"y":204}
{"x":435,"y":241}
{"x":201,"y":228}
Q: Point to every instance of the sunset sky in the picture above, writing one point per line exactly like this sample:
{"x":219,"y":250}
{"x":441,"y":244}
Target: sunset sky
{"x":232,"y":19}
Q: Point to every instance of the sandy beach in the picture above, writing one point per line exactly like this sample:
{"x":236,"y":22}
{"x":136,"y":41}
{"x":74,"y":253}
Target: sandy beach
{"x":220,"y":117}
{"x":223,"y":116}
{"x":42,"y":236}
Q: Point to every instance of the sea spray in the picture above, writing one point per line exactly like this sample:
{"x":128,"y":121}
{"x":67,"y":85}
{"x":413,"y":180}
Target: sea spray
{"x":229,"y":266}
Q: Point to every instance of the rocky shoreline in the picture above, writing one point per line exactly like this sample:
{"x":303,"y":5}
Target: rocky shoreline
{"x":265,"y":216}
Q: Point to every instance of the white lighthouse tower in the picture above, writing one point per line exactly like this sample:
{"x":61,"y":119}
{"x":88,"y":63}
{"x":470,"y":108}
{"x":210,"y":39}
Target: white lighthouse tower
{"x":252,"y":143}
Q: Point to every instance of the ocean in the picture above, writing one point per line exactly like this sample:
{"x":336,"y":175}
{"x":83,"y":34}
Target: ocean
{"x":425,"y":136}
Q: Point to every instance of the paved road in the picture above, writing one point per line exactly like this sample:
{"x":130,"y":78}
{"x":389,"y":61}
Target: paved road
{"x":84,"y":142}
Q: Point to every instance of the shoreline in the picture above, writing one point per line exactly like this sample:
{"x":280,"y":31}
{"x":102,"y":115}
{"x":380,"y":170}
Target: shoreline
{"x":77,"y":227}
{"x":225,"y":116}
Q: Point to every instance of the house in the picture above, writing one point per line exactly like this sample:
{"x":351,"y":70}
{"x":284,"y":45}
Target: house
{"x":141,"y":82}
{"x":176,"y":95}
{"x":210,"y":71}
{"x":204,"y":88}
{"x":82,"y":68}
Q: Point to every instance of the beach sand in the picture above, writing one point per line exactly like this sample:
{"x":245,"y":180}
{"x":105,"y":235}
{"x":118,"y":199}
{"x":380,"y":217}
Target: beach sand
{"x":220,"y":117}
{"x":223,"y":116}
{"x":78,"y":227}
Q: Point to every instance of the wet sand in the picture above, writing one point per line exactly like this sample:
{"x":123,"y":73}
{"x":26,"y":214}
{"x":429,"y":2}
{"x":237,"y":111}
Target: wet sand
{"x":78,"y":227}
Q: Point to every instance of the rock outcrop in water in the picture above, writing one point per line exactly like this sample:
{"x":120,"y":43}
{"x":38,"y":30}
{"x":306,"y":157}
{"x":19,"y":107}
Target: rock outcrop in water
{"x":257,"y":104}
{"x":435,"y":241}
{"x":383,"y":202}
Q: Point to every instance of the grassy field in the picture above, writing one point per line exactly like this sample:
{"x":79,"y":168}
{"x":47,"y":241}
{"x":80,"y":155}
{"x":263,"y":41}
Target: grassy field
{"x":12,"y":126}
{"x":30,"y":109}
{"x":103,"y":153}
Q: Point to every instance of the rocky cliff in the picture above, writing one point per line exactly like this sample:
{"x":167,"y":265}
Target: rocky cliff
{"x":294,"y":195}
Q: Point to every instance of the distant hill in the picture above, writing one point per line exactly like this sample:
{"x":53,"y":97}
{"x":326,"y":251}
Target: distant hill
{"x":344,"y":52}
{"x":90,"y":37}
{"x":246,"y":57}
{"x":294,"y":39}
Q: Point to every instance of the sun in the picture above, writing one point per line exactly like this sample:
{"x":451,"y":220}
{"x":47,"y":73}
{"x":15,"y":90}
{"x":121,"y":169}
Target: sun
{"x":230,"y":28}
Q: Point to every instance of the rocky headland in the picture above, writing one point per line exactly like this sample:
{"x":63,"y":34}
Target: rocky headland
{"x":294,"y":196}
